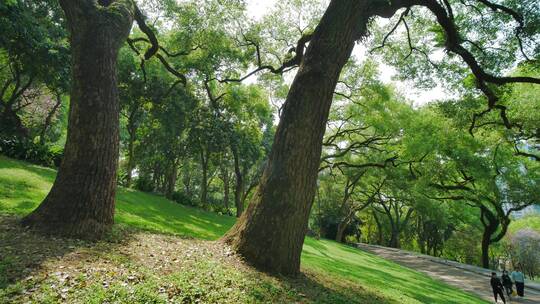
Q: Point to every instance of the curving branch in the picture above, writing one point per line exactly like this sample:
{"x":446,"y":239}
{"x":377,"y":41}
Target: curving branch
{"x":153,"y":49}
{"x":400,"y":20}
{"x":287,"y":65}
{"x":483,"y":78}
{"x":154,"y":44}
{"x":164,"y":50}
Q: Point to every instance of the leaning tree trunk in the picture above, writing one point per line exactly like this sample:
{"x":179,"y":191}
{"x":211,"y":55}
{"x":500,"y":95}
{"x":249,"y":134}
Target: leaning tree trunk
{"x":81,"y":201}
{"x":270,"y":233}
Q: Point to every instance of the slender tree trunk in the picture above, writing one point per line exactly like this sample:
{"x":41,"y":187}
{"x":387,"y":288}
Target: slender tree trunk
{"x":421,"y":236}
{"x":81,"y":201}
{"x":239,"y":184}
{"x":49,"y":118}
{"x":171,"y":179}
{"x":155,"y":177}
{"x":270,"y":233}
{"x":204,"y":180}
{"x":131,"y":157}
{"x":186,"y":180}
{"x":379,"y":229}
{"x":225,"y":179}
{"x":394,"y":239}
{"x":342,"y":225}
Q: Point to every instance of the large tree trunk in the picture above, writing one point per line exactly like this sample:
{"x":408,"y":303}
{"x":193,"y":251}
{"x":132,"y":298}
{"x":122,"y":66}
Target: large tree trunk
{"x":81,"y":201}
{"x":270,"y":233}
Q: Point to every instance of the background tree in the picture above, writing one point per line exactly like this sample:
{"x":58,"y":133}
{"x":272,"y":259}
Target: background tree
{"x":33,"y":35}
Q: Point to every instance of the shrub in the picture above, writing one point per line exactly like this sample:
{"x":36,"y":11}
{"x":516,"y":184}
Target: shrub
{"x":25,"y":149}
{"x":182,"y":198}
{"x":144,"y":183}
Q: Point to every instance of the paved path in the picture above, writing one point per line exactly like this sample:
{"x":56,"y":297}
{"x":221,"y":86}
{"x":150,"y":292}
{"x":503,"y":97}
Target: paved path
{"x":471,"y":279}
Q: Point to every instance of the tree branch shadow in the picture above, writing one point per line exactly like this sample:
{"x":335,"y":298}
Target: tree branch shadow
{"x":23,"y":251}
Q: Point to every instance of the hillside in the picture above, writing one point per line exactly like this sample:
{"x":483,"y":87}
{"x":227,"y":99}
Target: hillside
{"x":161,"y":252}
{"x":528,"y":222}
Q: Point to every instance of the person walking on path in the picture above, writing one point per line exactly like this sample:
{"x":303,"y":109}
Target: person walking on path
{"x":507,"y":283}
{"x":519,"y":279}
{"x":497,"y":287}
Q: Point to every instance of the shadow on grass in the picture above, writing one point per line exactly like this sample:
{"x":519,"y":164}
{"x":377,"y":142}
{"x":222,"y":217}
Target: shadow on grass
{"x":317,"y":287}
{"x":358,"y":266}
{"x":23,"y":251}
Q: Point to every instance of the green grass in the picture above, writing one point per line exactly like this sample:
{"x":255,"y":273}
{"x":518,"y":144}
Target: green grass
{"x":23,"y":186}
{"x":379,"y":275}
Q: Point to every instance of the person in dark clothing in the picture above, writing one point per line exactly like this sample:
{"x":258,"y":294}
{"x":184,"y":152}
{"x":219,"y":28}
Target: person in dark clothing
{"x":507,"y":283}
{"x":497,"y":287}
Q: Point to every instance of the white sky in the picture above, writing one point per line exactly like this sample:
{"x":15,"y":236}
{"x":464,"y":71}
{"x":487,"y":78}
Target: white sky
{"x":258,"y":8}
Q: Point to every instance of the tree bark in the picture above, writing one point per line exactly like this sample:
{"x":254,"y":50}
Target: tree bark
{"x":81,"y":201}
{"x":270,"y":233}
{"x":485,"y":247}
{"x":491,"y":223}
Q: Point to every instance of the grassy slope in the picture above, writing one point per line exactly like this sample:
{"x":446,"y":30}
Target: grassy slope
{"x":530,"y":222}
{"x":23,"y":186}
